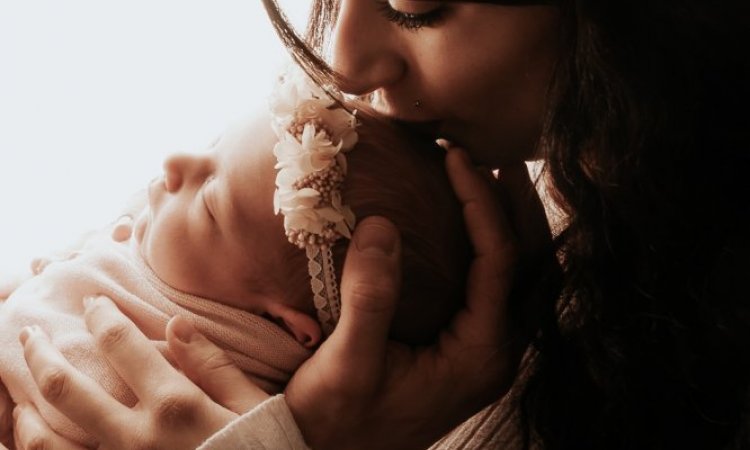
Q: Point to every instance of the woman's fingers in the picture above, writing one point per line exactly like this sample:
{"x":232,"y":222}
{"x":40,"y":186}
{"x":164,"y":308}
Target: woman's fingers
{"x":481,"y":347}
{"x":210,"y":368}
{"x":171,"y":411}
{"x":495,"y":253}
{"x":32,"y":432}
{"x":116,"y":336}
{"x":74,"y":394}
{"x":488,"y":226}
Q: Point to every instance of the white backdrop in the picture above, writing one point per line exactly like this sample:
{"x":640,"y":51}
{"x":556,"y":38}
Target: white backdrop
{"x":94,"y":94}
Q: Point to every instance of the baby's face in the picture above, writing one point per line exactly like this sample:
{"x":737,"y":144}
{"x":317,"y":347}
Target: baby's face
{"x":210,"y":225}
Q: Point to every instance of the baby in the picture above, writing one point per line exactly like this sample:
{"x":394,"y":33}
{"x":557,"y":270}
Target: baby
{"x":210,"y":246}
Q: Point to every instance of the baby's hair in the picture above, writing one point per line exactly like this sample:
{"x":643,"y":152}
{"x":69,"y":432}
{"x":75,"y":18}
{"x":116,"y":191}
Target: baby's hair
{"x":400,"y":176}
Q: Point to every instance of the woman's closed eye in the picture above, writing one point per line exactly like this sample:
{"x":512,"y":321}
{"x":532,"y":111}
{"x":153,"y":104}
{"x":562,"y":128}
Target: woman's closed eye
{"x":411,"y":14}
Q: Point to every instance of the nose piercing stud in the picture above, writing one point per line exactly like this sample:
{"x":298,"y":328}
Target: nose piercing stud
{"x":418,"y":103}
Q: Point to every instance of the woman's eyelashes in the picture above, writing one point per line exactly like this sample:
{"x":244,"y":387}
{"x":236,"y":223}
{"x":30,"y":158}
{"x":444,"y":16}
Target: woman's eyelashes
{"x":411,"y":20}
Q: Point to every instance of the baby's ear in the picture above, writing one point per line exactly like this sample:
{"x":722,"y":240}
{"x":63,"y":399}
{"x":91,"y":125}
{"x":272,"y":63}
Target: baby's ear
{"x":305,"y":329}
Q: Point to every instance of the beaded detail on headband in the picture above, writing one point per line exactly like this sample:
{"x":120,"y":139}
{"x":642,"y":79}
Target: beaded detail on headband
{"x":314,"y":134}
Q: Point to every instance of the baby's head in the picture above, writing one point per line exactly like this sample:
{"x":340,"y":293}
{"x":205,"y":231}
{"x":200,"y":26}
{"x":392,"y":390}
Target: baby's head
{"x":400,"y":176}
{"x":211,"y":228}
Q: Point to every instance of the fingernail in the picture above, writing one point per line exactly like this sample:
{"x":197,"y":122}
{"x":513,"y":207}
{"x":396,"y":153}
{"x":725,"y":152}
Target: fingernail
{"x":24,"y":335}
{"x":375,"y":236}
{"x":27,"y":332}
{"x":184,"y":331}
{"x":444,"y":143}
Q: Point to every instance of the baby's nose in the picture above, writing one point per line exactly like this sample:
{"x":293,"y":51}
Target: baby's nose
{"x":185,"y":169}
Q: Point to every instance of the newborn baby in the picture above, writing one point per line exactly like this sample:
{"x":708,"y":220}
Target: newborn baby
{"x":211,"y":247}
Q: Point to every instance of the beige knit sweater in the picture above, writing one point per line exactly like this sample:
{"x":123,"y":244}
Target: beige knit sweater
{"x":491,"y":428}
{"x":270,"y":426}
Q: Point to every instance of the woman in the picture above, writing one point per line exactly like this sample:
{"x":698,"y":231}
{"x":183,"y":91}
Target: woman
{"x":639,"y":111}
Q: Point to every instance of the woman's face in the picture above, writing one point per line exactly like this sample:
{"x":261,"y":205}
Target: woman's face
{"x":473,"y":73}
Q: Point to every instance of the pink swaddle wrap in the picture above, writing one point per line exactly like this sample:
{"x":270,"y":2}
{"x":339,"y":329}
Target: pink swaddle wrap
{"x":53,"y":300}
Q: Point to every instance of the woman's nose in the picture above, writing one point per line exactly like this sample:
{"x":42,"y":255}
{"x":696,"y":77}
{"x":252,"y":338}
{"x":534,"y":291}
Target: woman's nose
{"x":363,"y":50}
{"x":183,"y":169}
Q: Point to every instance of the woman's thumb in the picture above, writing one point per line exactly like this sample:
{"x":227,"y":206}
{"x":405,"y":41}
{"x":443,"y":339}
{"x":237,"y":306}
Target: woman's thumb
{"x":370,"y":288}
{"x":210,"y":368}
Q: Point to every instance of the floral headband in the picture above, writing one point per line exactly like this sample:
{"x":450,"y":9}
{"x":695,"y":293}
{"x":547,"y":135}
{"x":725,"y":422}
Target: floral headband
{"x":314,"y":134}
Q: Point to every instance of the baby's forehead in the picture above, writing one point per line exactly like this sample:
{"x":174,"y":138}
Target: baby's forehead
{"x":245,"y":144}
{"x":245,"y":166}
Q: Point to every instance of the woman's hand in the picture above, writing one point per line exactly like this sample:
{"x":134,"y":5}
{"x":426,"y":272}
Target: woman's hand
{"x":172,"y":412}
{"x":361,"y":391}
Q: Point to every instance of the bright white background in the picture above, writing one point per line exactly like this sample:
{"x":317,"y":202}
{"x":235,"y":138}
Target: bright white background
{"x":94,"y":94}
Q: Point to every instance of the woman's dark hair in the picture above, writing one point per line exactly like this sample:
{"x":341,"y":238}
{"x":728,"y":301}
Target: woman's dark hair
{"x":645,"y":144}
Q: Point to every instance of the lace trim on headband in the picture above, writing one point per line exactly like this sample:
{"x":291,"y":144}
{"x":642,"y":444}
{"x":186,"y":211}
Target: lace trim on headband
{"x":325,"y":289}
{"x":314,"y":134}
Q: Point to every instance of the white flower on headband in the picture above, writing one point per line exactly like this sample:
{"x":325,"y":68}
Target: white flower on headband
{"x":298,"y":98}
{"x":295,"y":87}
{"x":310,"y":152}
{"x":314,"y":133}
